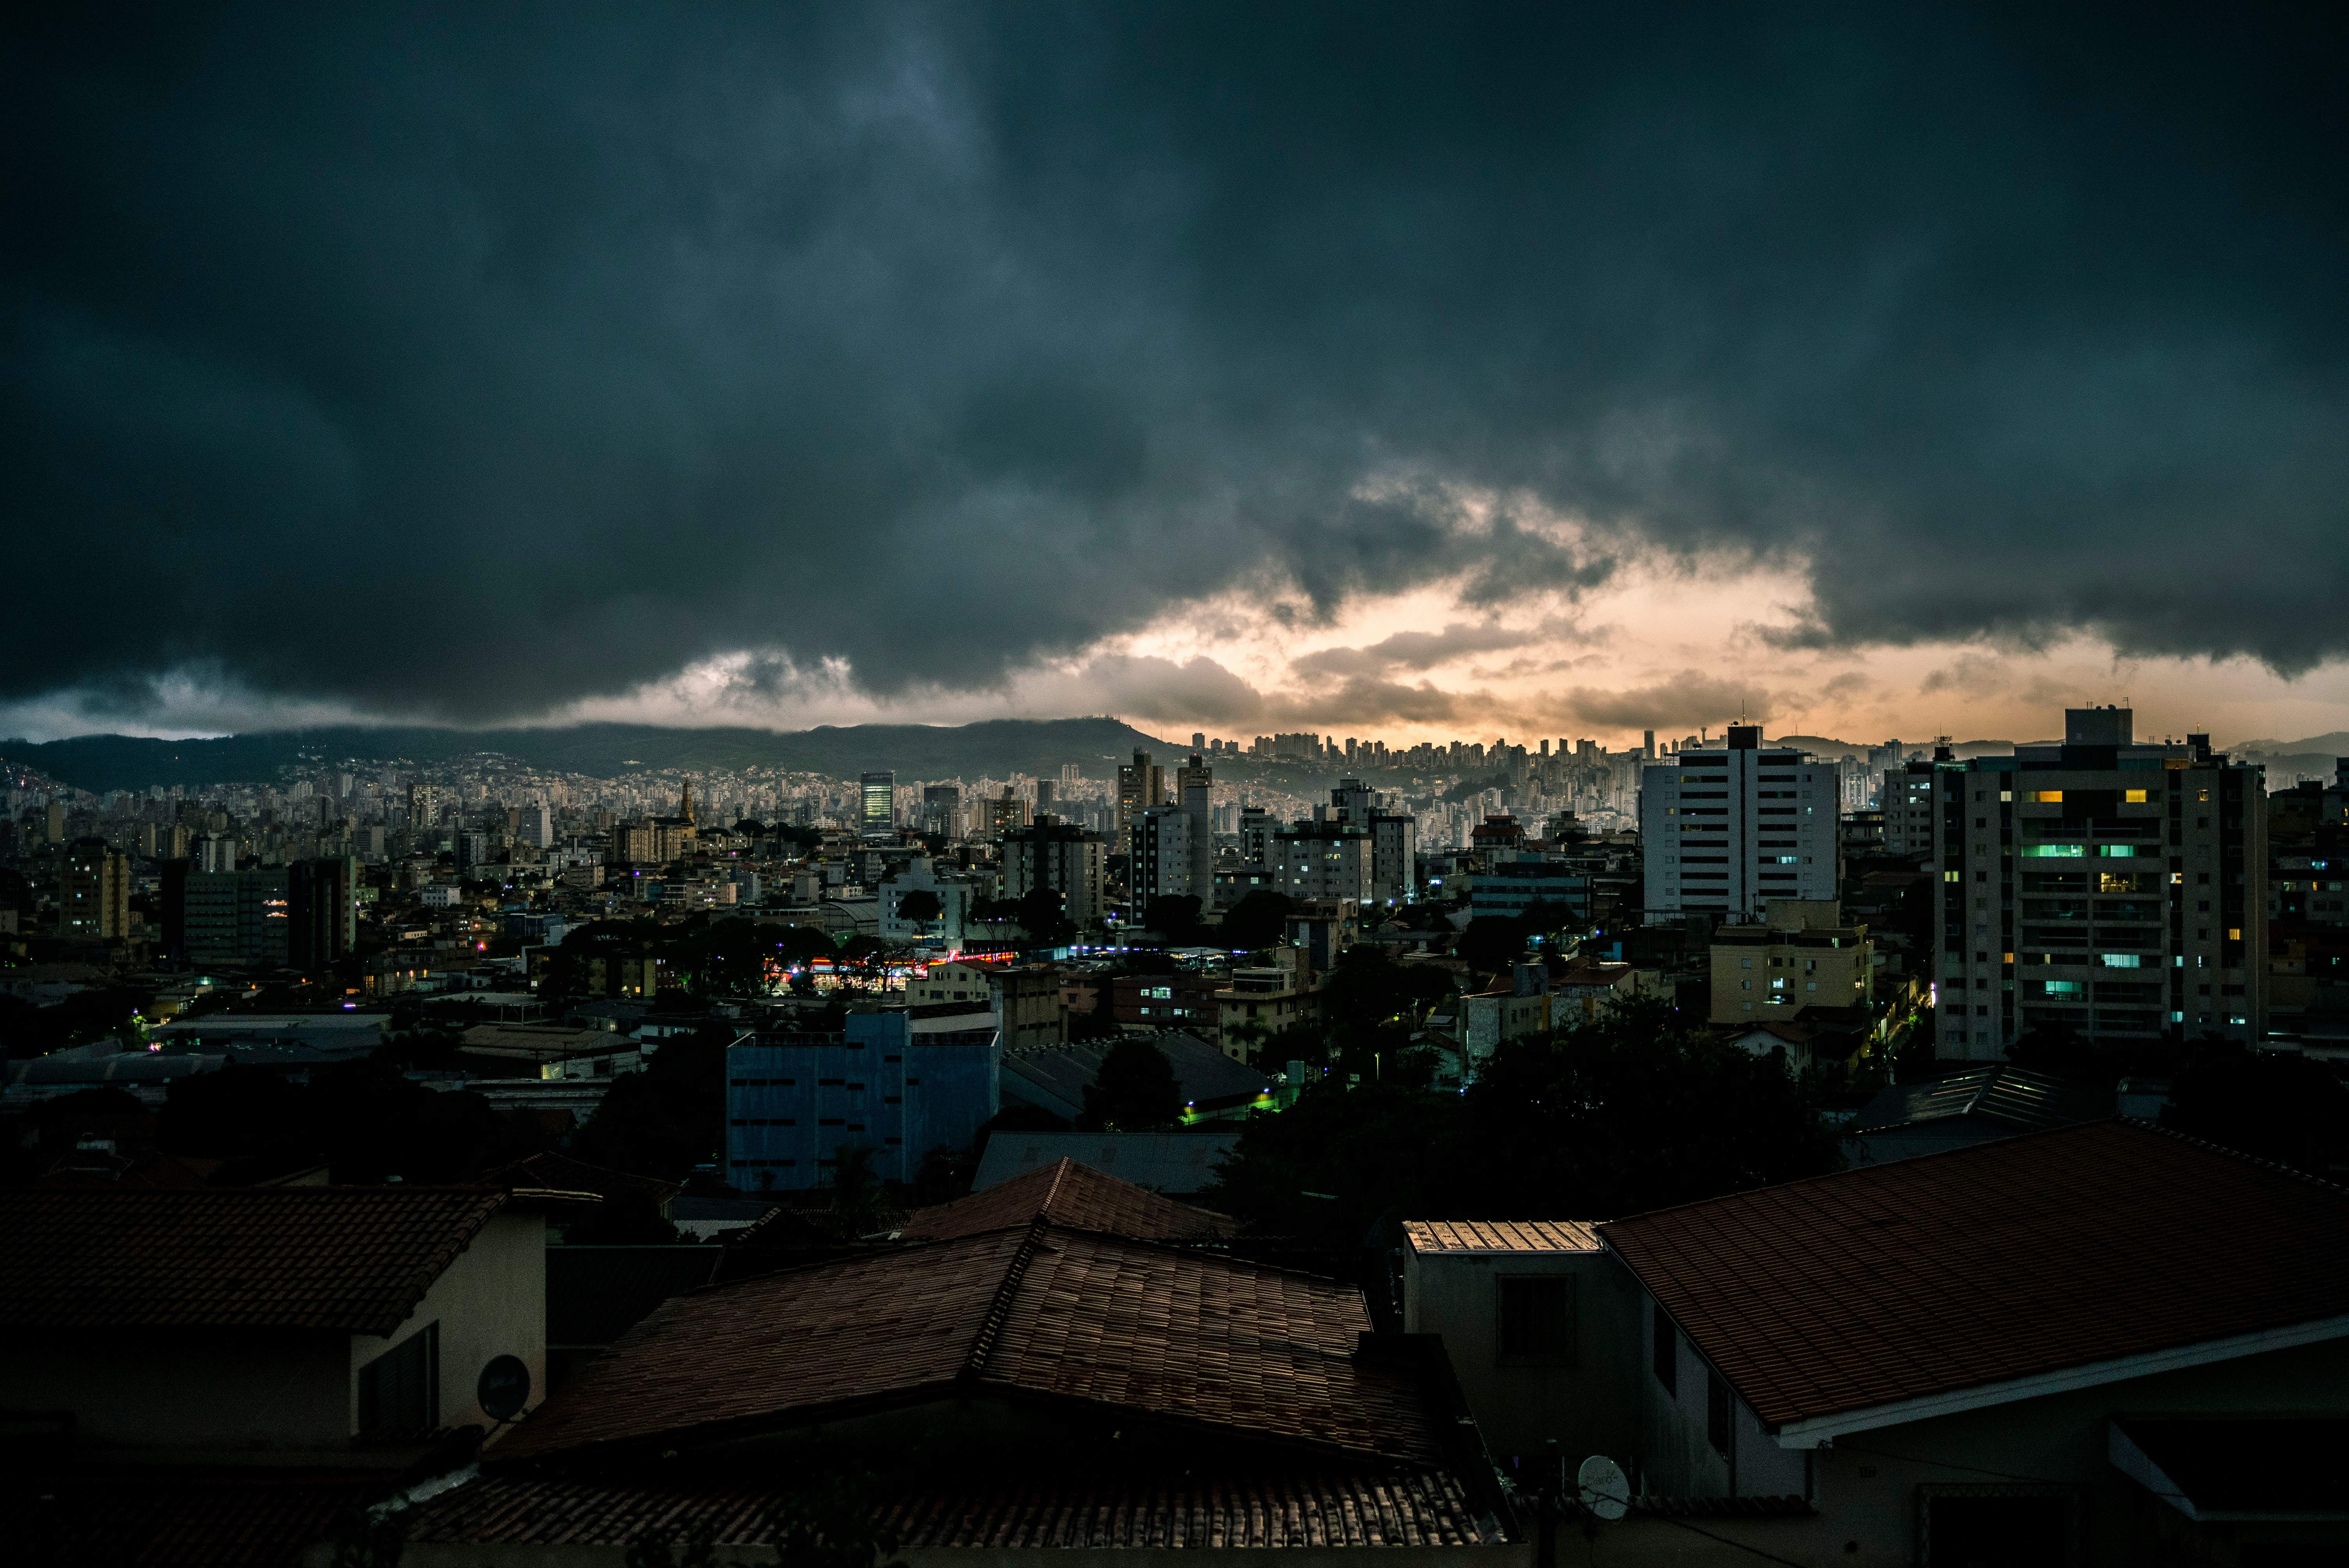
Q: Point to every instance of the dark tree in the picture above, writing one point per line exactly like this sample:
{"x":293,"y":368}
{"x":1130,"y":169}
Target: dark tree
{"x":920,"y":904}
{"x":1176,"y":918}
{"x":1257,"y":921}
{"x":1040,"y":915}
{"x":2284,"y":1108}
{"x":1491,"y":944}
{"x":664,"y":1121}
{"x":1134,"y":1091}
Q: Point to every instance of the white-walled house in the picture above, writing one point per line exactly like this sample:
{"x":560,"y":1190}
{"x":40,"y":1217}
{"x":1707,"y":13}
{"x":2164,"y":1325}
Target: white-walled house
{"x":315,"y":1324}
{"x":2012,"y":1352}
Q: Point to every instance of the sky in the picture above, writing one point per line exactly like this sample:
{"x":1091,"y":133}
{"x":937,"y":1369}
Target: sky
{"x":1395,"y":372}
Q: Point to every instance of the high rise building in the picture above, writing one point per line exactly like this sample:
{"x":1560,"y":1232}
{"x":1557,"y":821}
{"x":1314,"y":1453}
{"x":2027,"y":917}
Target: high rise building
{"x":1727,"y":828}
{"x":1324,"y":858}
{"x":423,"y":805}
{"x":1195,"y":791}
{"x":56,"y":823}
{"x":538,"y":825}
{"x":1394,"y":841}
{"x":94,"y":892}
{"x":1907,"y":799}
{"x":942,"y":810}
{"x":2113,"y":887}
{"x":1066,"y":859}
{"x":237,"y":919}
{"x":1140,"y":787}
{"x":322,"y":916}
{"x":878,"y":815}
{"x":1160,"y":863}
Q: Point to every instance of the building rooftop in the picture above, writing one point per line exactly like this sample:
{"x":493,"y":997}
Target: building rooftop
{"x":357,"y":1259}
{"x":1953,"y":1271}
{"x":1334,"y":1506}
{"x":2027,"y":1102}
{"x":1175,"y":1163}
{"x":1500,"y":1236}
{"x":1175,"y":1334}
{"x":1067,"y":1193}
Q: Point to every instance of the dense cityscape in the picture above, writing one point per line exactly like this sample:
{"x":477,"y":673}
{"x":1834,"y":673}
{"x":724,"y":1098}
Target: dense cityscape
{"x":982,"y":785}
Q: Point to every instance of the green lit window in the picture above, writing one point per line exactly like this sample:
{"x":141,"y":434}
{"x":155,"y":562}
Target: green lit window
{"x":2117,"y":851}
{"x":2059,"y":851}
{"x":2121,"y":960}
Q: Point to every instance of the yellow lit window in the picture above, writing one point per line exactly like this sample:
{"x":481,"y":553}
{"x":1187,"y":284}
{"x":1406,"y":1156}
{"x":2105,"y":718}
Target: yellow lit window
{"x":1950,"y":876}
{"x":2134,"y":796}
{"x":2006,"y":957}
{"x":2234,"y":934}
{"x":2048,"y":797}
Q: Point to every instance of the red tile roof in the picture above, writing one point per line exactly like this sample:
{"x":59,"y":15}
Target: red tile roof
{"x":1339,"y":1507}
{"x":1500,"y":1236}
{"x":1172,"y":1333}
{"x":1072,"y":1195}
{"x":357,"y":1259}
{"x":1951,"y":1271}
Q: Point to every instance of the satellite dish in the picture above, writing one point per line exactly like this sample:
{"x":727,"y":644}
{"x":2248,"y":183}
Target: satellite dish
{"x":504,"y":1387}
{"x":1605,"y":1490}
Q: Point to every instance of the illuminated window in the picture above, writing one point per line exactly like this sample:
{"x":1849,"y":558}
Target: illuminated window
{"x":2047,"y":797}
{"x":2121,"y":961}
{"x":2134,"y":796}
{"x":1951,"y":876}
{"x":2234,"y":934}
{"x":2057,"y":851}
{"x":2117,"y":851}
{"x":2063,"y":987}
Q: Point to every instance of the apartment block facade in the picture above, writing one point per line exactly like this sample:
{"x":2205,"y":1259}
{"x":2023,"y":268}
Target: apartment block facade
{"x":1728,"y":829}
{"x":2112,"y":887}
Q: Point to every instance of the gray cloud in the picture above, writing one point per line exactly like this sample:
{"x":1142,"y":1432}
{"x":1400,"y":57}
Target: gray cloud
{"x":1690,"y":698}
{"x":468,"y":362}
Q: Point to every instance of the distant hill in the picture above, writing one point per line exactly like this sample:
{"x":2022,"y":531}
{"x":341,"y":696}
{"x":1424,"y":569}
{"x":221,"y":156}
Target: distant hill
{"x":994,"y":747}
{"x":1824,"y":745}
{"x":2336,"y":744}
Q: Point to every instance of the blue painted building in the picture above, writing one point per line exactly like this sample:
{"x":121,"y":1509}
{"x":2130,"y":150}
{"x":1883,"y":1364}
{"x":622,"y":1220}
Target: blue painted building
{"x":894,"y":1082}
{"x":1509,"y":887}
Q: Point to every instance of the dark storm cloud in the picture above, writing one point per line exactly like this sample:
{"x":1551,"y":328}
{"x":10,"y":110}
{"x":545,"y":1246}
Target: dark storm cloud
{"x":1691,"y":697}
{"x":466,"y":362}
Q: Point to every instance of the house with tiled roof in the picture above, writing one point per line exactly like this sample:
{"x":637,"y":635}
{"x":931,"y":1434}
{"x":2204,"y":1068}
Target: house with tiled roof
{"x":1069,"y":1193}
{"x":1036,"y":1385}
{"x":298,"y":1321}
{"x":2097,"y":1343}
{"x":201,"y":1375}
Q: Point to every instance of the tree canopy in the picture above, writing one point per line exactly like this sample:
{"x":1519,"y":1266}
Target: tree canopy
{"x":1636,"y":1109}
{"x":1134,"y":1090}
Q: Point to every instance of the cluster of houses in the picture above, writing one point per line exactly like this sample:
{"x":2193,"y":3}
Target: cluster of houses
{"x":2092,"y":1343}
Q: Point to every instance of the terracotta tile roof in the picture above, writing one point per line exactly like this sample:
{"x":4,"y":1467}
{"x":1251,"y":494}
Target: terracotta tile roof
{"x":2030,"y":1254}
{"x":1072,"y":1195}
{"x":349,"y":1258}
{"x":562,"y":1173}
{"x":1500,"y":1236}
{"x":183,"y":1518}
{"x":1171,"y":1333}
{"x":1340,"y":1507}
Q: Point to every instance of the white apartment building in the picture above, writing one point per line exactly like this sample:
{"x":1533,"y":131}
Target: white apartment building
{"x":1728,"y":829}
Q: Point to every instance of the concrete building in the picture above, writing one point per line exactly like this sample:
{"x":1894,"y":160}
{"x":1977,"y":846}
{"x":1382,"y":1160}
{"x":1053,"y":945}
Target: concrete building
{"x":1531,"y":1314}
{"x":1906,"y":794}
{"x":942,"y":810}
{"x":237,"y":919}
{"x":898,"y":1083}
{"x":1141,"y":785}
{"x":322,"y":911}
{"x":94,"y":892}
{"x":921,"y":875}
{"x":1067,"y":860}
{"x":1799,"y":956}
{"x":1727,"y":828}
{"x":1323,"y":860}
{"x":2115,"y":887}
{"x":1160,"y":863}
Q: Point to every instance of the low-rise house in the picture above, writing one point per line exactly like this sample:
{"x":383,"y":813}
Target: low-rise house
{"x":1532,"y":1313}
{"x":1025,"y":1387}
{"x":2041,"y":1350}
